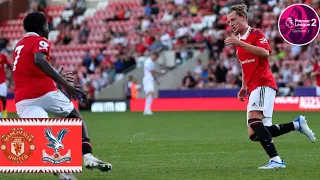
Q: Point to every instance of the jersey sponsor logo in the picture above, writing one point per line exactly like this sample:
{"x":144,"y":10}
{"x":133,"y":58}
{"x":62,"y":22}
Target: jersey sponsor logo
{"x":56,"y":144}
{"x":248,"y":61}
{"x":263,"y":40}
{"x":17,"y":145}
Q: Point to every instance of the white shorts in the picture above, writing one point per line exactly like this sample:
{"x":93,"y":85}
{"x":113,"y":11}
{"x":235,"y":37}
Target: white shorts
{"x":318,"y":90}
{"x":3,"y":89}
{"x":262,"y":99}
{"x":148,"y":85}
{"x":54,"y":102}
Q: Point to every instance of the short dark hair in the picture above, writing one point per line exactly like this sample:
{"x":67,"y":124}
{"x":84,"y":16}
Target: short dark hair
{"x":34,"y":22}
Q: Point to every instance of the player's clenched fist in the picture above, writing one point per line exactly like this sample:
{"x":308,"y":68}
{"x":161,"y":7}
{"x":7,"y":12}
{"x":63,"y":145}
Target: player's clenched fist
{"x":242,"y":94}
{"x":232,"y":40}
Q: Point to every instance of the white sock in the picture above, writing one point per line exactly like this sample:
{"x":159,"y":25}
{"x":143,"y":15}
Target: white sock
{"x":296,"y":125}
{"x":276,"y":159}
{"x":88,"y":155}
{"x":147,"y":107}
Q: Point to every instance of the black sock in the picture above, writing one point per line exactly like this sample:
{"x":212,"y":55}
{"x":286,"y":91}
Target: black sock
{"x":277,"y":130}
{"x":264,"y":136}
{"x":4,"y":103}
{"x":86,"y":146}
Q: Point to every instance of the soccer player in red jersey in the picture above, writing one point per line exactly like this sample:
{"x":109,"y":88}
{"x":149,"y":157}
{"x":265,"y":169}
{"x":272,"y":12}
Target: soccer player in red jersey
{"x":3,"y":85}
{"x":35,"y":90}
{"x":316,"y":73}
{"x":257,"y":80}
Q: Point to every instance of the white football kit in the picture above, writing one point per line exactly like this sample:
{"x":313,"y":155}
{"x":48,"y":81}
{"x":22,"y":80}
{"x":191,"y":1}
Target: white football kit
{"x":54,"y":102}
{"x":3,"y":89}
{"x":262,"y":99}
{"x":148,"y":79}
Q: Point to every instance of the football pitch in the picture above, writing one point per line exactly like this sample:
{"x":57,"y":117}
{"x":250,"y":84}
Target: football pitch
{"x":191,"y":145}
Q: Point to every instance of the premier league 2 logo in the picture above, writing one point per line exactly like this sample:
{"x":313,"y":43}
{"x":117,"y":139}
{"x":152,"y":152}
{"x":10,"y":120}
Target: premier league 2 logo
{"x":56,"y":143}
{"x":299,"y":24}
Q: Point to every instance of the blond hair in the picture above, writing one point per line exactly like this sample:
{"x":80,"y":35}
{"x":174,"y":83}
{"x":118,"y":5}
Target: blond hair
{"x":240,"y":9}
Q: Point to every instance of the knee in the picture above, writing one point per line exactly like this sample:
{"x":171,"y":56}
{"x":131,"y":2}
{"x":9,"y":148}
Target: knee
{"x":74,"y":114}
{"x":255,"y":115}
{"x":254,"y":121}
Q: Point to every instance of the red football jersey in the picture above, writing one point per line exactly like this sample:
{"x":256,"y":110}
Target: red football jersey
{"x":30,"y":82}
{"x":316,"y":68}
{"x":3,"y":62}
{"x":256,"y":71}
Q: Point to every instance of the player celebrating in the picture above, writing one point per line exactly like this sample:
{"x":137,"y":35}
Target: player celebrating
{"x":148,"y":82}
{"x":253,"y":51}
{"x":35,"y":90}
{"x":3,"y":86}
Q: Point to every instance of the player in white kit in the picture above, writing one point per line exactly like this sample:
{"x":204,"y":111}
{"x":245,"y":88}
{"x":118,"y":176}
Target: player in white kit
{"x":149,"y":81}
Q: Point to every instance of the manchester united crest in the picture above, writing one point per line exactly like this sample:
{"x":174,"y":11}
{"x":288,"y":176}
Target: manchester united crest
{"x":17,"y":145}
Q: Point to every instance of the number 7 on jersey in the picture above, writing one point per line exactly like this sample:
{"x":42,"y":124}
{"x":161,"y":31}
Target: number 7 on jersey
{"x":18,"y":51}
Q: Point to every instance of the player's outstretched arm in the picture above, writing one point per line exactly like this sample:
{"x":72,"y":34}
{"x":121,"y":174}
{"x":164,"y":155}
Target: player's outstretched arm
{"x":45,"y":67}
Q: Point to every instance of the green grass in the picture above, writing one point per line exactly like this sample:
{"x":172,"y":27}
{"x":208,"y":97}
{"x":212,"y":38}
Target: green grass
{"x":191,"y":145}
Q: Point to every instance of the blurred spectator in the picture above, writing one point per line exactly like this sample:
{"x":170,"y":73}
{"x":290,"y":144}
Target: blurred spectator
{"x":193,"y":9}
{"x":286,"y":73}
{"x":188,"y":81}
{"x":135,"y":89}
{"x":145,"y":2}
{"x":120,"y":14}
{"x":212,"y":82}
{"x":92,"y":64}
{"x":64,"y":37}
{"x":38,"y":5}
{"x":84,"y":33}
{"x":148,"y":9}
{"x":100,"y":56}
{"x":140,"y":48}
{"x":69,"y":5}
{"x":199,"y":67}
{"x":145,"y":23}
{"x":80,"y":7}
{"x":221,"y":72}
{"x":129,"y":62}
{"x":49,"y":20}
{"x":100,"y":81}
{"x":3,"y":42}
{"x":166,"y":40}
{"x":179,"y":2}
{"x":167,"y":16}
{"x":127,"y":88}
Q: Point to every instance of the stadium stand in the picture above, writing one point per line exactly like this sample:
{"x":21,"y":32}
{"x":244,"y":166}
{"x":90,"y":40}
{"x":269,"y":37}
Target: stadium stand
{"x":101,"y":43}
